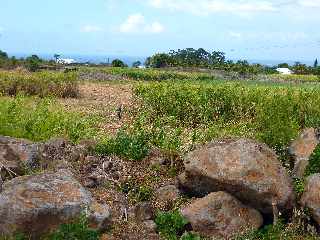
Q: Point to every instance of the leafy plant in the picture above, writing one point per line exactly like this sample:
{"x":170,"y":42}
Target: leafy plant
{"x":170,"y":224}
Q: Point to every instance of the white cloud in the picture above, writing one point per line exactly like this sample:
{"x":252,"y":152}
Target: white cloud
{"x":309,"y":3}
{"x":234,"y":34}
{"x":205,"y":7}
{"x":136,"y":23}
{"x":91,"y":28}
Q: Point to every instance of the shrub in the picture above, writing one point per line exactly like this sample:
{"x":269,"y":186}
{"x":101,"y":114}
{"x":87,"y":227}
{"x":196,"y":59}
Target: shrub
{"x":42,"y":119}
{"x":40,"y":84}
{"x":170,"y":224}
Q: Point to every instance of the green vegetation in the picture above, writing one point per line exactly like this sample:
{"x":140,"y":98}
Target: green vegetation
{"x":131,"y":146}
{"x":280,"y":231}
{"x":78,"y":230}
{"x":314,"y":163}
{"x":170,"y":224}
{"x":136,"y":192}
{"x":38,"y":120}
{"x":33,"y":63}
{"x":40,"y":84}
{"x":201,"y":112}
{"x":118,"y":63}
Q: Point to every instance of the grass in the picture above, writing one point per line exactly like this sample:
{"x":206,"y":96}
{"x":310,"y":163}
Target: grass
{"x":41,"y":119}
{"x":40,"y":84}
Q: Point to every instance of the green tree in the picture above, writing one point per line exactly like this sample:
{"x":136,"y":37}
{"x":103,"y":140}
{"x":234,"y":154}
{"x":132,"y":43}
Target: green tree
{"x":3,"y":55}
{"x":32,"y":63}
{"x":160,"y":60}
{"x":118,"y":63}
{"x":136,"y":64}
{"x":56,"y":57}
{"x":283,"y":65}
{"x":315,"y":65}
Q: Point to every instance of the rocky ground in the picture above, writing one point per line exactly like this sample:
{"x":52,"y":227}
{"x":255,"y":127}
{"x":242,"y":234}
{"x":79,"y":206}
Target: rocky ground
{"x":224,"y":188}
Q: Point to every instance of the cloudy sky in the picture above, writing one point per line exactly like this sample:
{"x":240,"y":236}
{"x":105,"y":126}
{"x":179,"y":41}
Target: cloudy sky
{"x":246,"y":29}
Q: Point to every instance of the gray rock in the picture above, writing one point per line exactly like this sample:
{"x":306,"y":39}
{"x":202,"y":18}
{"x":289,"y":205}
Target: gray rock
{"x":244,"y":168}
{"x":219,"y":215}
{"x":38,"y":204}
{"x":16,"y":155}
{"x":143,"y":211}
{"x":302,"y":148}
{"x":166,"y":196}
{"x":311,"y":196}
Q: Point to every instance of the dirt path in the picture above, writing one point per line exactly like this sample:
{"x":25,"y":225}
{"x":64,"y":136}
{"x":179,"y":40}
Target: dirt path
{"x":103,"y":100}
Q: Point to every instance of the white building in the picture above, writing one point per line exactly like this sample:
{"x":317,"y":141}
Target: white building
{"x":285,"y":71}
{"x":65,"y":61}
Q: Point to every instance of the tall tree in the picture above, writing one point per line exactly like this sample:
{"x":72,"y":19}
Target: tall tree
{"x":56,"y":57}
{"x":315,"y":65}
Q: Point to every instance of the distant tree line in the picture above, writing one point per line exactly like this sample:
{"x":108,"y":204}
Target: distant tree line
{"x":32,"y":63}
{"x":200,"y":58}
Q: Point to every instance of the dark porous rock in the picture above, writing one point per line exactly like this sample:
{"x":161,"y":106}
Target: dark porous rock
{"x":220,"y":215}
{"x":150,"y":225}
{"x":311,"y":196}
{"x":166,"y":196}
{"x":143,"y":211}
{"x":248,"y":170}
{"x":16,"y":155}
{"x":37,"y":204}
{"x":302,"y":148}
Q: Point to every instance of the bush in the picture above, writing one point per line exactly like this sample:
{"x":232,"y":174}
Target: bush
{"x":42,"y":119}
{"x":40,"y":84}
{"x":170,"y":224}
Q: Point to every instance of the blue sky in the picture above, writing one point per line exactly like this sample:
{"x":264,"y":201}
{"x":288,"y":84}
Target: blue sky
{"x":246,"y":29}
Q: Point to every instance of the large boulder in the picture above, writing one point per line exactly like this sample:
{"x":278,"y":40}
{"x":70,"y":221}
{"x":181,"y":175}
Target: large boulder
{"x":16,"y":155}
{"x":220,"y":215}
{"x":311,"y":196}
{"x":37,"y":204}
{"x":246,"y":169}
{"x":302,"y":148}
